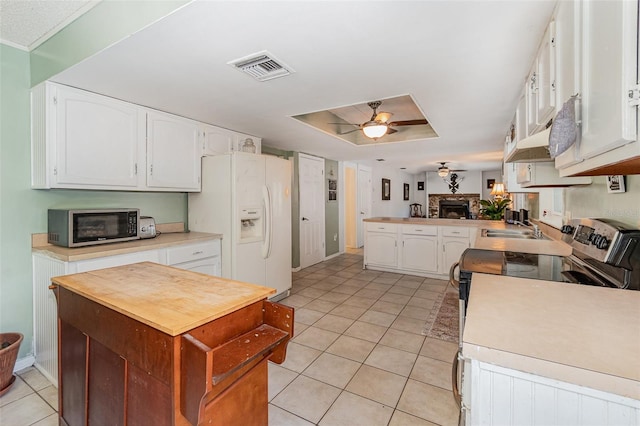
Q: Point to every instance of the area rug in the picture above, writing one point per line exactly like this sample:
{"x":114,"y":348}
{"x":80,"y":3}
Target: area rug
{"x":443,"y":321}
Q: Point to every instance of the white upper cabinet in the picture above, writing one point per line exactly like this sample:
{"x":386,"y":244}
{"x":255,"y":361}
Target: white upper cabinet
{"x":81,"y":140}
{"x":218,"y":140}
{"x":606,"y":44}
{"x":541,"y":84}
{"x":85,"y":141}
{"x":544,"y":174}
{"x":222,"y":141}
{"x":609,"y":67}
{"x":173,"y":152}
{"x":546,"y":77}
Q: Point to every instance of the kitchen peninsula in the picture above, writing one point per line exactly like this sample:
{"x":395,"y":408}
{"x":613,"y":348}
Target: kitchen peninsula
{"x":541,"y":352}
{"x":152,"y":344}
{"x":429,"y":247}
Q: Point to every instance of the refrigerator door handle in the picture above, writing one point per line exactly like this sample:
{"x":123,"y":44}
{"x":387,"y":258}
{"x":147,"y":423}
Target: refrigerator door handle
{"x":266,"y":243}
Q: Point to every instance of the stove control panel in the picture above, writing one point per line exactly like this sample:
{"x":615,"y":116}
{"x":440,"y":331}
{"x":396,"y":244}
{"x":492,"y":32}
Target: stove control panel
{"x":602,"y":239}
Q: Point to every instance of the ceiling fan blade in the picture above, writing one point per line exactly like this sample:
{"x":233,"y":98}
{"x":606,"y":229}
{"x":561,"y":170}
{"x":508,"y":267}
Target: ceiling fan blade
{"x":390,"y":131}
{"x":408,"y":123}
{"x":346,"y":124}
{"x":350,"y":131}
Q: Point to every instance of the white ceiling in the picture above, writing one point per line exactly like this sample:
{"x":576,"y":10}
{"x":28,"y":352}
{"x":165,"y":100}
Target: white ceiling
{"x":25,"y":24}
{"x":463,"y":62}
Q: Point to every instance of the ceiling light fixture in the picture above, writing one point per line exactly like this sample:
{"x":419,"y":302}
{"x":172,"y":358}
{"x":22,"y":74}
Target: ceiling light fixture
{"x":443,"y":171}
{"x":374,"y":129}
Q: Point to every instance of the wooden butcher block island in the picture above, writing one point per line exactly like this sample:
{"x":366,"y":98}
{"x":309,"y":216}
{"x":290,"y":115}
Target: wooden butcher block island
{"x":147,"y":344}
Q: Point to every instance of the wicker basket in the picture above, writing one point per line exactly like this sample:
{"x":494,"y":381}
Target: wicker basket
{"x":8,"y":357}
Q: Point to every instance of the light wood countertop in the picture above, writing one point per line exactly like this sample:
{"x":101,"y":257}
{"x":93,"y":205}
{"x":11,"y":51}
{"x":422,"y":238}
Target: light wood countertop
{"x":589,"y":336}
{"x":91,"y":252}
{"x":168,"y":299}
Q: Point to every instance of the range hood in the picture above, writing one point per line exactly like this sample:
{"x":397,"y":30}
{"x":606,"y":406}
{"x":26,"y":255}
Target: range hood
{"x":532,"y":149}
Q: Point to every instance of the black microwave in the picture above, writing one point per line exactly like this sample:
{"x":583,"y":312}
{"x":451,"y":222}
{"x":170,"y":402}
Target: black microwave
{"x":81,"y":227}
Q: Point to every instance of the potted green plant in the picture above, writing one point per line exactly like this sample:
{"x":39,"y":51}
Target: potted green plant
{"x":494,"y":209}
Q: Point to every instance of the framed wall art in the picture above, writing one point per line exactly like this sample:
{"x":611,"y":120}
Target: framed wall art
{"x":333,"y":190}
{"x":406,"y":192}
{"x":490,"y":183}
{"x":420,"y":186}
{"x":615,"y":183}
{"x":386,"y":189}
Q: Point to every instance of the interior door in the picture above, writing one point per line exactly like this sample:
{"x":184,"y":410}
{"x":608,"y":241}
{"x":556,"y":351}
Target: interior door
{"x":311,"y":181}
{"x":364,"y":200}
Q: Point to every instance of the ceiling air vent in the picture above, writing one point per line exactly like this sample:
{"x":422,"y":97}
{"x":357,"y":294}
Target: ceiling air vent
{"x":262,"y":66}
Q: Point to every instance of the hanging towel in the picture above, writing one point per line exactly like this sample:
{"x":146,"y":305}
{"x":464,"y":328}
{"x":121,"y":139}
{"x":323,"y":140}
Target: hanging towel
{"x":564,"y":129}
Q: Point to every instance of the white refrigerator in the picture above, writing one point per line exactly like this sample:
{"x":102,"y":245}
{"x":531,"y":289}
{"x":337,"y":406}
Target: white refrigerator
{"x":247,"y":198}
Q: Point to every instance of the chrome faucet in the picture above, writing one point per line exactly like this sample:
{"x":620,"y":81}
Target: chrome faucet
{"x":537,"y":232}
{"x":517,"y":222}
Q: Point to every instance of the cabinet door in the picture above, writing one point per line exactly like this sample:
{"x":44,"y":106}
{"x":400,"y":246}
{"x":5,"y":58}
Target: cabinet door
{"x":609,"y":73}
{"x":452,"y":248}
{"x":381,"y":249}
{"x":531,"y":94}
{"x":546,"y":75}
{"x":524,"y":173}
{"x":419,"y":253}
{"x":218,"y":140}
{"x":173,"y":153}
{"x":99,"y":141}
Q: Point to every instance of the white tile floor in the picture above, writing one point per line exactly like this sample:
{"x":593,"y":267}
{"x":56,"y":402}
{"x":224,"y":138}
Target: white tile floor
{"x":358,"y":356}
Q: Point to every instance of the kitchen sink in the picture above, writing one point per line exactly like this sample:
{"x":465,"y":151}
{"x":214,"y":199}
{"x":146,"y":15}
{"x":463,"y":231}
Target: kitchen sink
{"x":524,"y":234}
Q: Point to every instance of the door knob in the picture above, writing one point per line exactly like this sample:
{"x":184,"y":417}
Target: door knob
{"x":304,"y":218}
{"x":361,"y":212}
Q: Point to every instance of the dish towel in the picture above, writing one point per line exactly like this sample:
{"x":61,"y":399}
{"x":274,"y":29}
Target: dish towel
{"x":564,"y":129}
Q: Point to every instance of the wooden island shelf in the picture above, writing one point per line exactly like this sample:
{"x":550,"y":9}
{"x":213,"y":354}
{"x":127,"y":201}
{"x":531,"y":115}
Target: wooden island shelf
{"x":152,"y":344}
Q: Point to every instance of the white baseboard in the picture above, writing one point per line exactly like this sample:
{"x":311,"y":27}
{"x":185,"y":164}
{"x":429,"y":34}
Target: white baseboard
{"x":332,"y":256}
{"x":23,"y":363}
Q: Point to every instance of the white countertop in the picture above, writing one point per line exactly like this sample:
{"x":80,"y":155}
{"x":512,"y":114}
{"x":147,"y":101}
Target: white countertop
{"x":589,"y":336}
{"x":537,"y":246}
{"x":91,"y":252}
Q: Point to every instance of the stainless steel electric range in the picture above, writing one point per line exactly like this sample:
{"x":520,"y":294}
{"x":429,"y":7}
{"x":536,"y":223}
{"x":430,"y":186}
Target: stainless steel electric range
{"x":605,"y":253}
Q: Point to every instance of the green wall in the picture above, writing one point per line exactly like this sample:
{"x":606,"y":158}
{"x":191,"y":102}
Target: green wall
{"x":23,"y":210}
{"x":331,"y":213}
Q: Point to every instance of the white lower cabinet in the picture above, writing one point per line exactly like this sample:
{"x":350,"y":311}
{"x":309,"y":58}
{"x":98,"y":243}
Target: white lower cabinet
{"x":425,"y":250}
{"x":453,"y":240}
{"x":419,"y":248}
{"x":381,"y":242}
{"x":495,"y":395}
{"x":200,"y":257}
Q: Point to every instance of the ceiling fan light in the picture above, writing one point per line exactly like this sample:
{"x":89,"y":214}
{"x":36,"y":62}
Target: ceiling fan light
{"x":374,"y":130}
{"x":443,"y":171}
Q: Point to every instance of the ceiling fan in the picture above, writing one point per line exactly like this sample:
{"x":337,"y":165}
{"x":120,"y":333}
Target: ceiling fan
{"x":379,"y":124}
{"x":443,"y":170}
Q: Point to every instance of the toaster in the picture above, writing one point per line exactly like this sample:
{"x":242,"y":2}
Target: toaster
{"x":147,"y":227}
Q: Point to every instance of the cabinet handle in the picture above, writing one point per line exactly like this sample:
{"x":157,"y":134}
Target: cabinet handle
{"x":455,"y":232}
{"x":197,"y":252}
